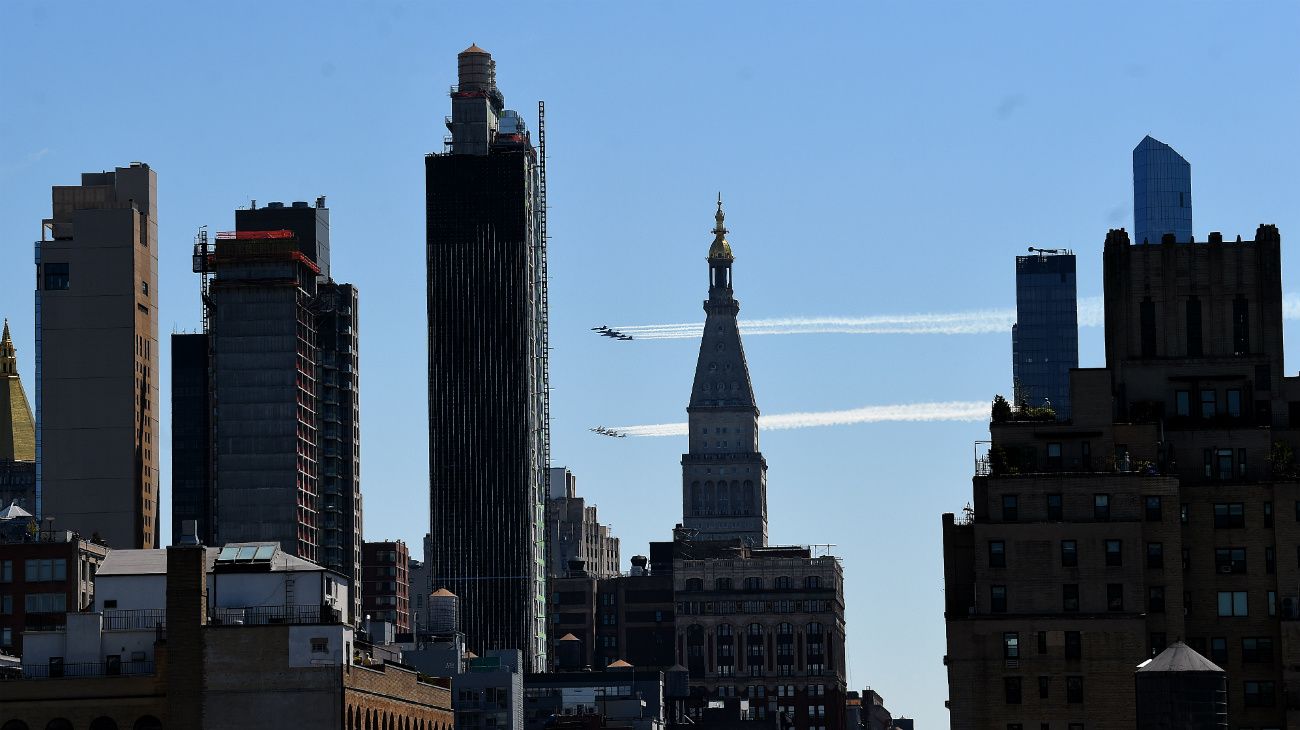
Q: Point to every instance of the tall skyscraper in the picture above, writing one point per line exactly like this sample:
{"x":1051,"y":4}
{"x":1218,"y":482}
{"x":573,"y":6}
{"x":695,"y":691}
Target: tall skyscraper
{"x":17,"y":433}
{"x":96,"y":350}
{"x":489,"y":435}
{"x":265,"y":406}
{"x":724,"y":475}
{"x":1162,"y":193}
{"x":1045,"y":337}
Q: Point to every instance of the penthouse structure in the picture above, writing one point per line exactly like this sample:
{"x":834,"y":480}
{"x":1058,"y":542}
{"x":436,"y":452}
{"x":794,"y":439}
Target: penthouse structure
{"x":1161,"y":510}
{"x":96,"y":358}
{"x":577,"y":543}
{"x":489,"y":432}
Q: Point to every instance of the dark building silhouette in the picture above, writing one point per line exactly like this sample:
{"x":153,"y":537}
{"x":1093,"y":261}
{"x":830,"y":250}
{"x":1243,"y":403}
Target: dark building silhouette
{"x":488,"y":422}
{"x":1165,"y":508}
{"x":1045,"y":338}
{"x":724,"y":475}
{"x":191,"y":436}
{"x":266,"y":434}
{"x":1181,"y":689}
{"x":1162,"y":193}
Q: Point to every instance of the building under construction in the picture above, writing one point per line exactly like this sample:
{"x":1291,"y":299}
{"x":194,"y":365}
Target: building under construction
{"x":269,"y":449}
{"x":489,"y":436}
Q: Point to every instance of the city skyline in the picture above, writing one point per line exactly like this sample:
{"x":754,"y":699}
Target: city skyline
{"x":626,"y":243}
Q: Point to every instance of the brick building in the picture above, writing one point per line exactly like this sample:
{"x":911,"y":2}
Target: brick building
{"x":42,"y":576}
{"x":1162,"y":510}
{"x":386,"y":583}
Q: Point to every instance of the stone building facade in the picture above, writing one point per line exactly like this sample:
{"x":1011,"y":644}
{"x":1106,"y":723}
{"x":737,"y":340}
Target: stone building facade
{"x":1167,"y":508}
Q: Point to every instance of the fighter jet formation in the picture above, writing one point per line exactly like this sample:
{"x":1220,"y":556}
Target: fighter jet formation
{"x":606,"y":331}
{"x":608,"y":432}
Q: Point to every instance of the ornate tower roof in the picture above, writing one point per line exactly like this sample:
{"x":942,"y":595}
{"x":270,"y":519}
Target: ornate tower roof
{"x":721,"y":373}
{"x":17,"y":427}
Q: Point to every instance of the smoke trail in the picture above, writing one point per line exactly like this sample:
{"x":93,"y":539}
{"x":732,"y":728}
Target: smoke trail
{"x":975,"y":322}
{"x":906,"y":412}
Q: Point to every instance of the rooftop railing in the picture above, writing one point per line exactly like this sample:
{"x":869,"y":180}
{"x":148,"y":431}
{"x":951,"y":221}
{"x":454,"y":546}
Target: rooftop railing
{"x":268,"y":615}
{"x":106,"y":668}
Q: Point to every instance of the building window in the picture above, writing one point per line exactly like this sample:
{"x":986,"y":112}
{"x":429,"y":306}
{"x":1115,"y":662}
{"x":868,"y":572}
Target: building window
{"x":997,"y":554}
{"x":1074,"y":690}
{"x":1010,"y":508}
{"x":1240,"y":326}
{"x":1260,"y":694}
{"x":1232,"y":603}
{"x":1234,"y":403}
{"x":1272,"y":602}
{"x":1070,"y":598}
{"x":1152,"y":508}
{"x":721,"y":584}
{"x":783,"y":583}
{"x":753,"y":584}
{"x":1011,"y":645}
{"x":812,"y":581}
{"x":45,"y":603}
{"x":1270,"y":560}
{"x":1114,"y":553}
{"x":1155,"y":599}
{"x":1183,"y":403}
{"x":56,"y":276}
{"x":1155,"y":555}
{"x":1194,"y":346}
{"x":1073,"y":645}
{"x":1042,"y":642}
{"x":1054,"y":507}
{"x":1158,"y":643}
{"x":1219,"y":650}
{"x":998,"y":599}
{"x":1114,"y":596}
{"x":320,"y":645}
{"x":7,"y":566}
{"x":1257,"y":649}
{"x":1012,"y":685}
{"x":1101,"y":507}
{"x":1184,"y":514}
{"x":1230,"y":560}
{"x":1268,"y":514}
{"x":1229,"y":515}
{"x":1044,"y":687}
{"x":1069,"y":554}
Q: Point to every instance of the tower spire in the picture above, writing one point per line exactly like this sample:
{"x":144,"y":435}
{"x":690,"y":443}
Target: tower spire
{"x":720,"y":248}
{"x":8,"y":359}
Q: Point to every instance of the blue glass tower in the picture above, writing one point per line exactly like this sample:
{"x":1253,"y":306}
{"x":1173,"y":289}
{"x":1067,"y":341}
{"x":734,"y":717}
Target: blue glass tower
{"x":1045,"y":338}
{"x":1162,"y":193}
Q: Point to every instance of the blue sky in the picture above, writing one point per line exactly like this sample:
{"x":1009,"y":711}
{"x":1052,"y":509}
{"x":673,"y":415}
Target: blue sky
{"x":875,"y":158}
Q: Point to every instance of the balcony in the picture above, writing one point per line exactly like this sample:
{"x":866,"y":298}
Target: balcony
{"x":138,"y":620}
{"x":107,"y":668}
{"x":275,"y":615}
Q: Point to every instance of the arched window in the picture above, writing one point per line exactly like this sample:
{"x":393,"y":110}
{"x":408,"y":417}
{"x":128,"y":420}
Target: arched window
{"x":783,"y":583}
{"x":784,"y":629}
{"x":696,"y":498}
{"x":58,"y":723}
{"x":736,"y":508}
{"x":812,"y":581}
{"x":784,"y":649}
{"x":695,"y":650}
{"x":724,"y":499}
{"x":726,"y":650}
{"x":694,"y":584}
{"x":748,"y":498}
{"x":726,"y":630}
{"x":15,"y":725}
{"x":753,"y":583}
{"x":816,"y":648}
{"x":708,"y":498}
{"x":103,"y":723}
{"x":721,"y":584}
{"x":149,"y":722}
{"x":754,"y":649}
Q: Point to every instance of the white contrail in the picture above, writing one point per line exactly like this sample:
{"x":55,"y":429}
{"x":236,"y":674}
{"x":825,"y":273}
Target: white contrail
{"x":975,"y":322}
{"x":945,"y":411}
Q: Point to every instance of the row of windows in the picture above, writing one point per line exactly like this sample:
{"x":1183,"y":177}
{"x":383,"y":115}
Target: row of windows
{"x":1227,"y":515}
{"x":717,"y":608}
{"x":1231,"y":604}
{"x":1014,"y":690}
{"x":1100,"y":509}
{"x":1073,"y":644}
{"x":1226,"y":559}
{"x":1208,"y":403}
{"x":753,"y":583}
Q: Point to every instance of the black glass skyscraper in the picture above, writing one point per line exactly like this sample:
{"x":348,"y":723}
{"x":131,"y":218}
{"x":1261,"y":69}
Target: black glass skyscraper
{"x":1162,"y":193}
{"x":1045,"y":338}
{"x":488,"y":424}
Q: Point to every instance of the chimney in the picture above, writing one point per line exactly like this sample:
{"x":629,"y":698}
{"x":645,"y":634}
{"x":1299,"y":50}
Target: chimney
{"x":187,"y":618}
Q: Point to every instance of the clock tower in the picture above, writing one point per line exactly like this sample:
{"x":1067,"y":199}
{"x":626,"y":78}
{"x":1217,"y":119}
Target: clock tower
{"x":724,"y":476}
